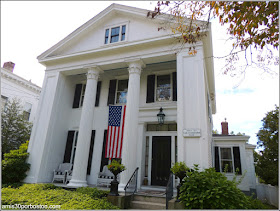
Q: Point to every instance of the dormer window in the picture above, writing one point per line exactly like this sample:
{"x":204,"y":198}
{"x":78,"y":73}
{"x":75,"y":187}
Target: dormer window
{"x":115,"y":34}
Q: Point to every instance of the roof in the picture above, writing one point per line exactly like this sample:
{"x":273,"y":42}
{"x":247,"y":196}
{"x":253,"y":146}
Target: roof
{"x":112,"y":8}
{"x":220,"y":137}
{"x":142,"y":13}
{"x":9,"y":75}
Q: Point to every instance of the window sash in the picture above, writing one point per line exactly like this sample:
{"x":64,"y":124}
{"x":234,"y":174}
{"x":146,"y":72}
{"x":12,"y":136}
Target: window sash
{"x":226,"y":160}
{"x":167,"y":88}
{"x":74,"y":147}
{"x":115,"y":34}
{"x":121,"y":91}
{"x":82,"y":95}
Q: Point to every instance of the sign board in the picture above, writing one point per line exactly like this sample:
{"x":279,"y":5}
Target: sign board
{"x":191,"y":132}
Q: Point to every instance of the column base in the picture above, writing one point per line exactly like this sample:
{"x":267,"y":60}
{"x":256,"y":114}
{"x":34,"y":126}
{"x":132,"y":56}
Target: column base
{"x":77,"y":183}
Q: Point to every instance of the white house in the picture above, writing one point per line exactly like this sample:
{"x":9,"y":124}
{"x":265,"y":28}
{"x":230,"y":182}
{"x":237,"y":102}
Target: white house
{"x":120,"y":57}
{"x":14,"y":86}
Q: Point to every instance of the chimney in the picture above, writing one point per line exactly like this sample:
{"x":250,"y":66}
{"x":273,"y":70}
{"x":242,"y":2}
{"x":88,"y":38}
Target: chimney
{"x":9,"y":66}
{"x":224,"y":127}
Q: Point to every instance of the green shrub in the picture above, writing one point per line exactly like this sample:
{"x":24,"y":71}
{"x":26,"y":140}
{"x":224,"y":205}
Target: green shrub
{"x":179,"y":169}
{"x":47,"y":194}
{"x":14,"y":166}
{"x":209,"y":189}
{"x":93,"y":192}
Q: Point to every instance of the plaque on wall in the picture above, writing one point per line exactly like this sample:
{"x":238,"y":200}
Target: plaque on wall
{"x":191,"y":132}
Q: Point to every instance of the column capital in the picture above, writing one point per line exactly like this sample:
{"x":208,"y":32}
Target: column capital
{"x":135,"y":66}
{"x":93,"y":72}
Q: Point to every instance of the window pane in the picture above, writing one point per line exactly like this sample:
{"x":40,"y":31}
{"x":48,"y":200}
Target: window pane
{"x":121,"y":97}
{"x":122,"y":85}
{"x":147,"y":156}
{"x":163,"y":88}
{"x":226,"y":153}
{"x":229,"y":166}
{"x":106,"y":36}
{"x":107,"y":33}
{"x":115,"y":31}
{"x":123,"y":32}
{"x":122,"y":91}
{"x":115,"y":34}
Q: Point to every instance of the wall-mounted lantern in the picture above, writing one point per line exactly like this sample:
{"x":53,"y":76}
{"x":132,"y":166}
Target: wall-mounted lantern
{"x":160,"y":116}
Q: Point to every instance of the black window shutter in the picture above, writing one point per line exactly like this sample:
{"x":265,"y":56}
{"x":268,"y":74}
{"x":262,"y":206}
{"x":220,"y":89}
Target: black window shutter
{"x":112,"y":91}
{"x":150,"y":89}
{"x":217,"y":159}
{"x":98,"y":93}
{"x":90,"y":151}
{"x":174,"y":79}
{"x":68,"y":148}
{"x":104,"y":161}
{"x":237,"y":161}
{"x":77,"y":95}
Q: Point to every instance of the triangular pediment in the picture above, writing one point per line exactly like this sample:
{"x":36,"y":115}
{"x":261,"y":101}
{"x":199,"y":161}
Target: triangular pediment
{"x":91,"y":35}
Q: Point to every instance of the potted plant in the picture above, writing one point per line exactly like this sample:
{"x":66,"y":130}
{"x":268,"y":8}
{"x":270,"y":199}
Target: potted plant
{"x":179,"y":169}
{"x":115,"y":167}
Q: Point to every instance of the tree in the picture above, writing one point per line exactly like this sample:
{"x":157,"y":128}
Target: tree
{"x":250,"y":24}
{"x":14,"y":165}
{"x":15,"y":129}
{"x":267,"y":159}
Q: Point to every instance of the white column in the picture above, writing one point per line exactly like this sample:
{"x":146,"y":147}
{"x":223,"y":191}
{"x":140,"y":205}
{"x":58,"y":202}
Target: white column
{"x":129,"y":150}
{"x":85,"y":128}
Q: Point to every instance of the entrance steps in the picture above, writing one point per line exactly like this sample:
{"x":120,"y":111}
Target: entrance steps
{"x":144,"y":202}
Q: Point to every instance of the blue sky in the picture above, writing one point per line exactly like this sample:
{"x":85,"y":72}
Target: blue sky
{"x":30,"y":28}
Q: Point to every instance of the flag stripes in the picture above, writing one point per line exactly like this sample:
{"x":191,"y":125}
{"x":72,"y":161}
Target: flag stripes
{"x":115,"y":131}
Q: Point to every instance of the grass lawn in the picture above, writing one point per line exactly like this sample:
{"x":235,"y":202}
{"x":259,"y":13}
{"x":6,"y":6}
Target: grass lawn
{"x":48,"y":196}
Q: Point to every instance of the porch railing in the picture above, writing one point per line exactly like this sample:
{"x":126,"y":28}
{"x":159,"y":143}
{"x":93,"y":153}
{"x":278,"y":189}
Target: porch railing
{"x":169,"y":189}
{"x":131,"y":186}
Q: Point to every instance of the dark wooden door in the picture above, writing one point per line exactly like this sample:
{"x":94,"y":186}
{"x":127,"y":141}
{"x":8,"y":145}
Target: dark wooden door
{"x":161,"y":160}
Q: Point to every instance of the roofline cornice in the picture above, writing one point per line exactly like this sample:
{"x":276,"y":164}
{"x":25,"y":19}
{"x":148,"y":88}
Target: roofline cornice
{"x":230,"y":138}
{"x":95,"y":19}
{"x":20,"y":81}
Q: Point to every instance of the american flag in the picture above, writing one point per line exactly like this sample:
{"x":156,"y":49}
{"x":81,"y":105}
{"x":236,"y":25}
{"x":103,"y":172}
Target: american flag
{"x":115,"y":131}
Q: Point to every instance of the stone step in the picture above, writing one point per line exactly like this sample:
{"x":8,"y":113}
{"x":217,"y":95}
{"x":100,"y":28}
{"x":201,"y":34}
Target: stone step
{"x":153,"y":199}
{"x":143,"y":205}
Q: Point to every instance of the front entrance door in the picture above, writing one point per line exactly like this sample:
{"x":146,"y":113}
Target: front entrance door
{"x":161,"y":160}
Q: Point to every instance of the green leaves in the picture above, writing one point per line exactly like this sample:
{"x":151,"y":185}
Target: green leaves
{"x":47,"y":194}
{"x":209,"y":189}
{"x":15,"y":129}
{"x":267,"y":159}
{"x":14,"y":166}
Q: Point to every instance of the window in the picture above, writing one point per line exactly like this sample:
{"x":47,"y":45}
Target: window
{"x":122,"y":91}
{"x":80,"y":95}
{"x":115,"y":34}
{"x":71,"y":145}
{"x":27,"y":111}
{"x":147,"y":156}
{"x":163,"y":88}
{"x":117,"y":92}
{"x":4,"y":101}
{"x":73,"y":152}
{"x":165,"y":127}
{"x":228,"y":158}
